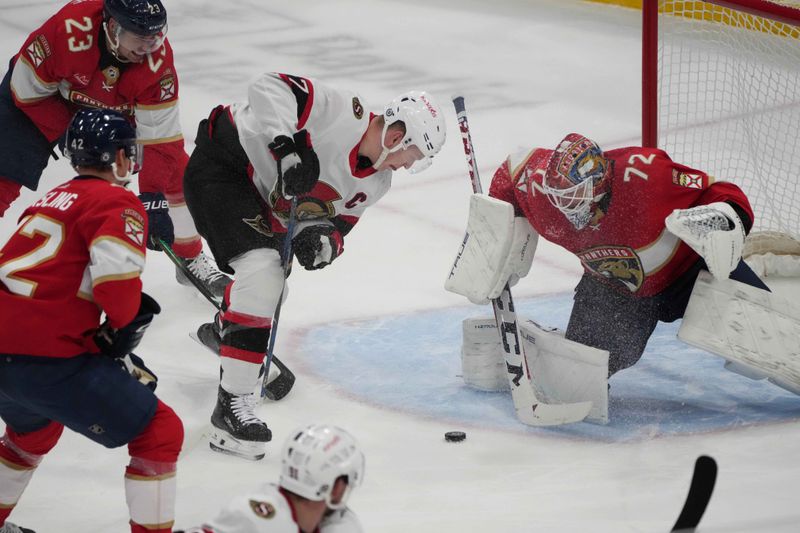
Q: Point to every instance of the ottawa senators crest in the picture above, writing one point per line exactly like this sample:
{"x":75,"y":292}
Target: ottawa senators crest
{"x":262,"y":509}
{"x":317,"y":205}
{"x":618,"y":264}
{"x":358,"y":109}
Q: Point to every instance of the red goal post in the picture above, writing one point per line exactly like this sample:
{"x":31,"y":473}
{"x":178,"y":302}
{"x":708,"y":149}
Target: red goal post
{"x":721,"y":93}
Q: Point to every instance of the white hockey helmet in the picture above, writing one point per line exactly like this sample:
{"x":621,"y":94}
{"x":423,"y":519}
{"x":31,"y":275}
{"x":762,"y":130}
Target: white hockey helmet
{"x":425,"y":127}
{"x":315,"y":456}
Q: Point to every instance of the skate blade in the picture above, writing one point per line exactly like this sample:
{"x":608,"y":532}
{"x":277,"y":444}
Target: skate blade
{"x":221,"y":441}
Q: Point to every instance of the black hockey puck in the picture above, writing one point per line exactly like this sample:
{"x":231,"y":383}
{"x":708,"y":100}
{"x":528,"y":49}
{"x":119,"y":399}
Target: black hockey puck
{"x":455,"y":436}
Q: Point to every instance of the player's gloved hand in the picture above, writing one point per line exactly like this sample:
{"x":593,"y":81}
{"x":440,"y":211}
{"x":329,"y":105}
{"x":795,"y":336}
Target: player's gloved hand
{"x":122,"y":341}
{"x":159,"y":225}
{"x":135,"y":366}
{"x":317,"y":246}
{"x":714,"y":231}
{"x":298,"y":161}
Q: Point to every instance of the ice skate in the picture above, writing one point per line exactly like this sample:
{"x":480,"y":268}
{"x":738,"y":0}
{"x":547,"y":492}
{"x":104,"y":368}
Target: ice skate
{"x":204,"y":271}
{"x":237,"y":429}
{"x":208,"y":335}
{"x":8,"y":527}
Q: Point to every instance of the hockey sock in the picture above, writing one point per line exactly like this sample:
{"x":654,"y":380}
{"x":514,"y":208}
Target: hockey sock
{"x":244,"y":343}
{"x":150,"y":481}
{"x":20,"y":454}
{"x":187,"y":242}
{"x":9,"y":191}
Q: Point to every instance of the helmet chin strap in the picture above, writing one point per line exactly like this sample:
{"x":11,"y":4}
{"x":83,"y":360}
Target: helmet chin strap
{"x":126,"y":179}
{"x":385,"y":149}
{"x":113,"y":43}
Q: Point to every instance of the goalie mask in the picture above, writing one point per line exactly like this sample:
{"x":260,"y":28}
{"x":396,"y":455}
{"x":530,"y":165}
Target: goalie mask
{"x":315,"y":457}
{"x":424,"y":123}
{"x":575,"y":178}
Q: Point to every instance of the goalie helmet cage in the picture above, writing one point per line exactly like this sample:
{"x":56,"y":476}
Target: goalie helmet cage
{"x":721,"y":93}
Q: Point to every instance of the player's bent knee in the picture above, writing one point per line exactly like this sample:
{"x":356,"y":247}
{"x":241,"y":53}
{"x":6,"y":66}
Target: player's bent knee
{"x":32,"y":445}
{"x":161,"y":439}
{"x":258,"y":282}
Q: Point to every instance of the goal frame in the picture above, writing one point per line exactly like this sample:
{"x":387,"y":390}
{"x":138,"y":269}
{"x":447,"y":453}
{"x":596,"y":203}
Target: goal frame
{"x":760,"y":8}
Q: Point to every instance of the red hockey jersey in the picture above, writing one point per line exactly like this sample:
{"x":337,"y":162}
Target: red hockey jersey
{"x":64,"y":65}
{"x":627,"y":244}
{"x":78,"y":251}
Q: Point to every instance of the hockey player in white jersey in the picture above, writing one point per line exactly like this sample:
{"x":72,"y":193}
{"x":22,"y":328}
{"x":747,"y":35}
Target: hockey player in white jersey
{"x":320,"y":467}
{"x":293,"y":137}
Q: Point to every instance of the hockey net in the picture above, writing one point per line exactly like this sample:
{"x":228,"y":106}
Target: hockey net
{"x":721,"y":93}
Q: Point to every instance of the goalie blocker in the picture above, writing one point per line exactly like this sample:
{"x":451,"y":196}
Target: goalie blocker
{"x":497,"y":248}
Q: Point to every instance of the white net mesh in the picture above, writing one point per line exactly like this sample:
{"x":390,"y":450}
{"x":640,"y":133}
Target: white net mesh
{"x":729,"y":102}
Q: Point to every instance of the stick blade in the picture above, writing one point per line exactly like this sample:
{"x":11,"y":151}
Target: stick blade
{"x":703,"y":480}
{"x":553,"y":414}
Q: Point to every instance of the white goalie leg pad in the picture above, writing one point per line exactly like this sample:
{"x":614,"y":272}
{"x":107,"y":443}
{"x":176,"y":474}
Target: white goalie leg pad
{"x":496,"y":247}
{"x":750,"y":327}
{"x":565,"y":371}
{"x":705,"y":230}
{"x":483,"y":366}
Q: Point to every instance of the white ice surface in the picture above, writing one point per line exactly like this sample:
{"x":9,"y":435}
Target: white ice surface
{"x":532,"y":71}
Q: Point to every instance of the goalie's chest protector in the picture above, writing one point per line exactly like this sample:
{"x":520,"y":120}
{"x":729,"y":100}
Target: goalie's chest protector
{"x":627,"y":245}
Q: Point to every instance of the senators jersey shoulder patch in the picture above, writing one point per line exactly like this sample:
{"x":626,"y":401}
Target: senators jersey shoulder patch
{"x":262,"y":509}
{"x":358,"y":109}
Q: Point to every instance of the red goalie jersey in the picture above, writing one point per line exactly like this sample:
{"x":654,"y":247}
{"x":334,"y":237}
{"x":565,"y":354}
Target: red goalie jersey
{"x":64,"y":65}
{"x":626,"y":243}
{"x":78,"y":251}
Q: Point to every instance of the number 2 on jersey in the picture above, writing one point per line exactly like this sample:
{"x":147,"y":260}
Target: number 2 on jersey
{"x":53,"y":232}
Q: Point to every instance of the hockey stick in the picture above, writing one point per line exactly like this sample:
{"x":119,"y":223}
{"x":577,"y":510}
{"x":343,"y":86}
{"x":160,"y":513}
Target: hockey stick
{"x":287,"y":265}
{"x":278,"y":387}
{"x":528,"y":403}
{"x":703,"y":480}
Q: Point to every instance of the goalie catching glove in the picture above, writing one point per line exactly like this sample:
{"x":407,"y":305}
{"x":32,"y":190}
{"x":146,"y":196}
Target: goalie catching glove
{"x":498,"y":248}
{"x":714,"y":231}
{"x":298,"y":163}
{"x":317,"y":245}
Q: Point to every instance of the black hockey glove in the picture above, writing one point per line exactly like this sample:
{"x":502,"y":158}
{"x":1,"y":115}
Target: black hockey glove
{"x":122,"y":341}
{"x":317,"y":246}
{"x":134,"y":365}
{"x":159,"y":225}
{"x":298,"y":161}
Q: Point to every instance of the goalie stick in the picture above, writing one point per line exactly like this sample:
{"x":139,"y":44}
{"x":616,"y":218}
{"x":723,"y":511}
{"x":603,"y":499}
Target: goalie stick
{"x":703,"y":480}
{"x":529,"y":403}
{"x":275,"y":389}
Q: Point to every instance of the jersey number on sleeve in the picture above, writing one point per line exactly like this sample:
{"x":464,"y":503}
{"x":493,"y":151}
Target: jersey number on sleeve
{"x":53,"y":232}
{"x":631,"y":171}
{"x":73,"y":43}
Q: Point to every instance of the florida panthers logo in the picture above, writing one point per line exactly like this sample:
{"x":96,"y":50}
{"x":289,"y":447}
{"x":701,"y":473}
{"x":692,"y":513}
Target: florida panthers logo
{"x":618,"y":264}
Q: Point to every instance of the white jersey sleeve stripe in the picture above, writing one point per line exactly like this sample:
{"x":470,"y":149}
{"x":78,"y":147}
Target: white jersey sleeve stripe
{"x":158,"y":124}
{"x":27,"y":86}
{"x":114,"y":259}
